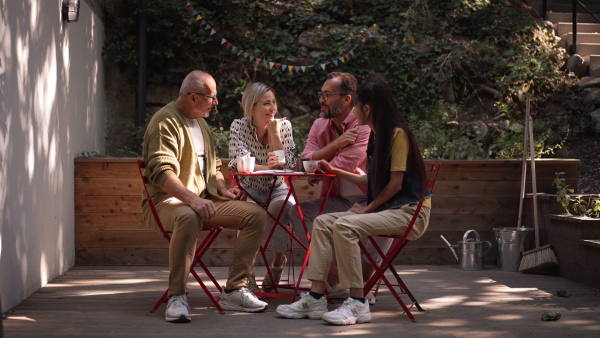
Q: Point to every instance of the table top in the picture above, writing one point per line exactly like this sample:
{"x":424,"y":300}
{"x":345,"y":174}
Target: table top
{"x":281,"y":173}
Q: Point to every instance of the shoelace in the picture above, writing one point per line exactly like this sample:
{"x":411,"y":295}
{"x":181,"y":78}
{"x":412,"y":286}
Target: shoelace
{"x":179,"y":301}
{"x":246,"y":293}
{"x":345,"y":305}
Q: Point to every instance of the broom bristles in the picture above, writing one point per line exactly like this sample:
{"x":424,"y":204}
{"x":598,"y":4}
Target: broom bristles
{"x":539,"y":258}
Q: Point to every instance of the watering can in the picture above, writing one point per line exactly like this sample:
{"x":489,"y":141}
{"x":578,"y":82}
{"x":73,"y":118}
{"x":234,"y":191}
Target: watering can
{"x":470,"y":251}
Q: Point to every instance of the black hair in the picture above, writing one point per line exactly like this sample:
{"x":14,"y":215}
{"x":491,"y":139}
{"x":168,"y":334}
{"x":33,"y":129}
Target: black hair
{"x":386,"y":117}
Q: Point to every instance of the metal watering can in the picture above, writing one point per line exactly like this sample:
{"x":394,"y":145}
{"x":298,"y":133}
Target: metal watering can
{"x":470,"y":251}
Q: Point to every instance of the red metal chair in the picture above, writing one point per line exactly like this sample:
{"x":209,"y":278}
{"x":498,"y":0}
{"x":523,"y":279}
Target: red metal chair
{"x":200,"y":251}
{"x":397,"y":246}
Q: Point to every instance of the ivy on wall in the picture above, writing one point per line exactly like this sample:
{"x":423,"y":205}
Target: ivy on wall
{"x":449,"y":62}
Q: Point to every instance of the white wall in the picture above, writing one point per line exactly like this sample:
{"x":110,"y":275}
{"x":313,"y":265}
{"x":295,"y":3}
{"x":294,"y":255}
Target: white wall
{"x":52,"y":107}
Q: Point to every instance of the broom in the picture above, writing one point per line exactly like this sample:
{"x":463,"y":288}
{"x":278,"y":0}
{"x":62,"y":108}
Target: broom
{"x":540,"y":257}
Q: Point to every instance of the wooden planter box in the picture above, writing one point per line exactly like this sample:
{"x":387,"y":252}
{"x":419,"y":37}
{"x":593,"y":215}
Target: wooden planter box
{"x":576,"y":243}
{"x":478,"y":195}
{"x":575,"y":240}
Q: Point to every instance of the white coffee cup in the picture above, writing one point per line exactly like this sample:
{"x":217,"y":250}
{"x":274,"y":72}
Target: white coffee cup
{"x":310,"y":166}
{"x":281,"y":155}
{"x":245,"y":165}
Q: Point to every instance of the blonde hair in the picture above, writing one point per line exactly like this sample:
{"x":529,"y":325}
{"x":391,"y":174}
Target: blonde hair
{"x":251,"y":95}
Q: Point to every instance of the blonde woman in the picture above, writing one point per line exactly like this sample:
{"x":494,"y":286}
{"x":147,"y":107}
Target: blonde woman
{"x":258,"y":134}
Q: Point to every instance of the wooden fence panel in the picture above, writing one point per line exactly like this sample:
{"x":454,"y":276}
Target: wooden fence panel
{"x":478,"y":195}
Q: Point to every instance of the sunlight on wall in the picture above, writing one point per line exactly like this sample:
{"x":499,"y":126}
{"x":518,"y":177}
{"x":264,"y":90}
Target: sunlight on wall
{"x":5,"y":119}
{"x":43,"y":269}
{"x":44,"y":104}
{"x":34,"y":14}
{"x":30,"y":167}
{"x":54,"y":108}
{"x":66,"y":58}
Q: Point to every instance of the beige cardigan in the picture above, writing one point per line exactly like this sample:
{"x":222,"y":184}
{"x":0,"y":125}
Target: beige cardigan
{"x":168,"y":149}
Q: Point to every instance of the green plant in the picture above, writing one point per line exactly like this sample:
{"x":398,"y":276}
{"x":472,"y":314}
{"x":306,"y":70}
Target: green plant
{"x":562,"y":191}
{"x":595,"y":206}
{"x":437,"y":71}
{"x":580,"y":206}
{"x":126,"y":151}
{"x":221,"y":138}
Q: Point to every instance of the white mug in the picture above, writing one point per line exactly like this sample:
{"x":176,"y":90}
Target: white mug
{"x":310,"y":166}
{"x":245,"y":164}
{"x":281,"y":155}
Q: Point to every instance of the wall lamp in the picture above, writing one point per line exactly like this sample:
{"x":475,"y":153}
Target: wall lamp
{"x":70,"y":10}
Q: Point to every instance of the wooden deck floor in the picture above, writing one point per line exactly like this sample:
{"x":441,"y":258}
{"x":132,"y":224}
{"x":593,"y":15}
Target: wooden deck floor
{"x":114,"y":302}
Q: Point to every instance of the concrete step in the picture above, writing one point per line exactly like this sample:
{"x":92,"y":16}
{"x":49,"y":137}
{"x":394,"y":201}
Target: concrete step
{"x":567,"y":8}
{"x":567,"y":39}
{"x":594,"y":62}
{"x":556,"y":17}
{"x":566,"y":27}
{"x":585,"y":49}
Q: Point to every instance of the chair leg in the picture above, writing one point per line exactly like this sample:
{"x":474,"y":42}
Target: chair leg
{"x":379,"y":276}
{"x":404,"y":289}
{"x":208,"y":293}
{"x":400,"y":301}
{"x":160,"y":301}
{"x":200,"y":251}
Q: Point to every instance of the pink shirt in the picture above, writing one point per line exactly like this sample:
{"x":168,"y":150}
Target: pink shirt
{"x":352,"y":158}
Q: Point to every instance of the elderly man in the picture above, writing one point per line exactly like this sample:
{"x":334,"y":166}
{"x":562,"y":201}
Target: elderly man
{"x":189,"y":192}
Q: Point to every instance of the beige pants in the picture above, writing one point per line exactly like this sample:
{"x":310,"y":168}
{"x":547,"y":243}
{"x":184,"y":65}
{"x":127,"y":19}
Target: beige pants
{"x":341,"y":232}
{"x":185,"y":224}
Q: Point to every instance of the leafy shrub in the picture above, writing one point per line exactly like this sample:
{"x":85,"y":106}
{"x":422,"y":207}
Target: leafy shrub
{"x":445,"y":60}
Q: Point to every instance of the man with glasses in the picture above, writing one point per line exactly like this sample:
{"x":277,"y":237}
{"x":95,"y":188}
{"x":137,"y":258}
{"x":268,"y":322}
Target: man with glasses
{"x":189,"y":192}
{"x":338,"y":138}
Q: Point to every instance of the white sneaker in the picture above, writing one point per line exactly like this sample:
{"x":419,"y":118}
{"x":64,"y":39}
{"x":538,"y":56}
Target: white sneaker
{"x":351,"y":312}
{"x":371,"y":298}
{"x":306,"y":306}
{"x":336,"y":292}
{"x":242,"y":299}
{"x":178,"y":310}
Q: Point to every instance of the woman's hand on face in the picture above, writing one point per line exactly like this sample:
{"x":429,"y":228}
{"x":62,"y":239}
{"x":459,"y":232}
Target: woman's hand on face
{"x":273,"y":161}
{"x":274,"y":126}
{"x":358,"y":208}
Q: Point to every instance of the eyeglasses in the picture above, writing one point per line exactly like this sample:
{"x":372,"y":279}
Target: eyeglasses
{"x":213,"y":98}
{"x":325,"y":95}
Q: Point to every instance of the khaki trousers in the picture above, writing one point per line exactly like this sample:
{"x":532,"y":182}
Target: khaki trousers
{"x":185,"y":224}
{"x":341,"y":232}
{"x":310,"y":210}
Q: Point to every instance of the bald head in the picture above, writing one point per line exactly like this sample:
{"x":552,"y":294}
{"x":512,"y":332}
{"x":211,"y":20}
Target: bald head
{"x":195,"y":81}
{"x":196,"y":95}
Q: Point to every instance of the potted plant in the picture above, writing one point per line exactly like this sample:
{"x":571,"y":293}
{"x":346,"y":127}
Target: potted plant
{"x":584,"y":205}
{"x":575,"y":234}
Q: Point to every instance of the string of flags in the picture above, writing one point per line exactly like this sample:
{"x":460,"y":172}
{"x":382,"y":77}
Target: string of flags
{"x":278,"y":66}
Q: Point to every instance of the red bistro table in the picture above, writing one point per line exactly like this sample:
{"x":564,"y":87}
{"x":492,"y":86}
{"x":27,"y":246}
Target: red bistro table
{"x":288,"y":176}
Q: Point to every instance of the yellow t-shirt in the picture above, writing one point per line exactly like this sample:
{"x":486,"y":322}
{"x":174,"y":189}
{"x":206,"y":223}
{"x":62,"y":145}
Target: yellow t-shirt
{"x":400,"y":156}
